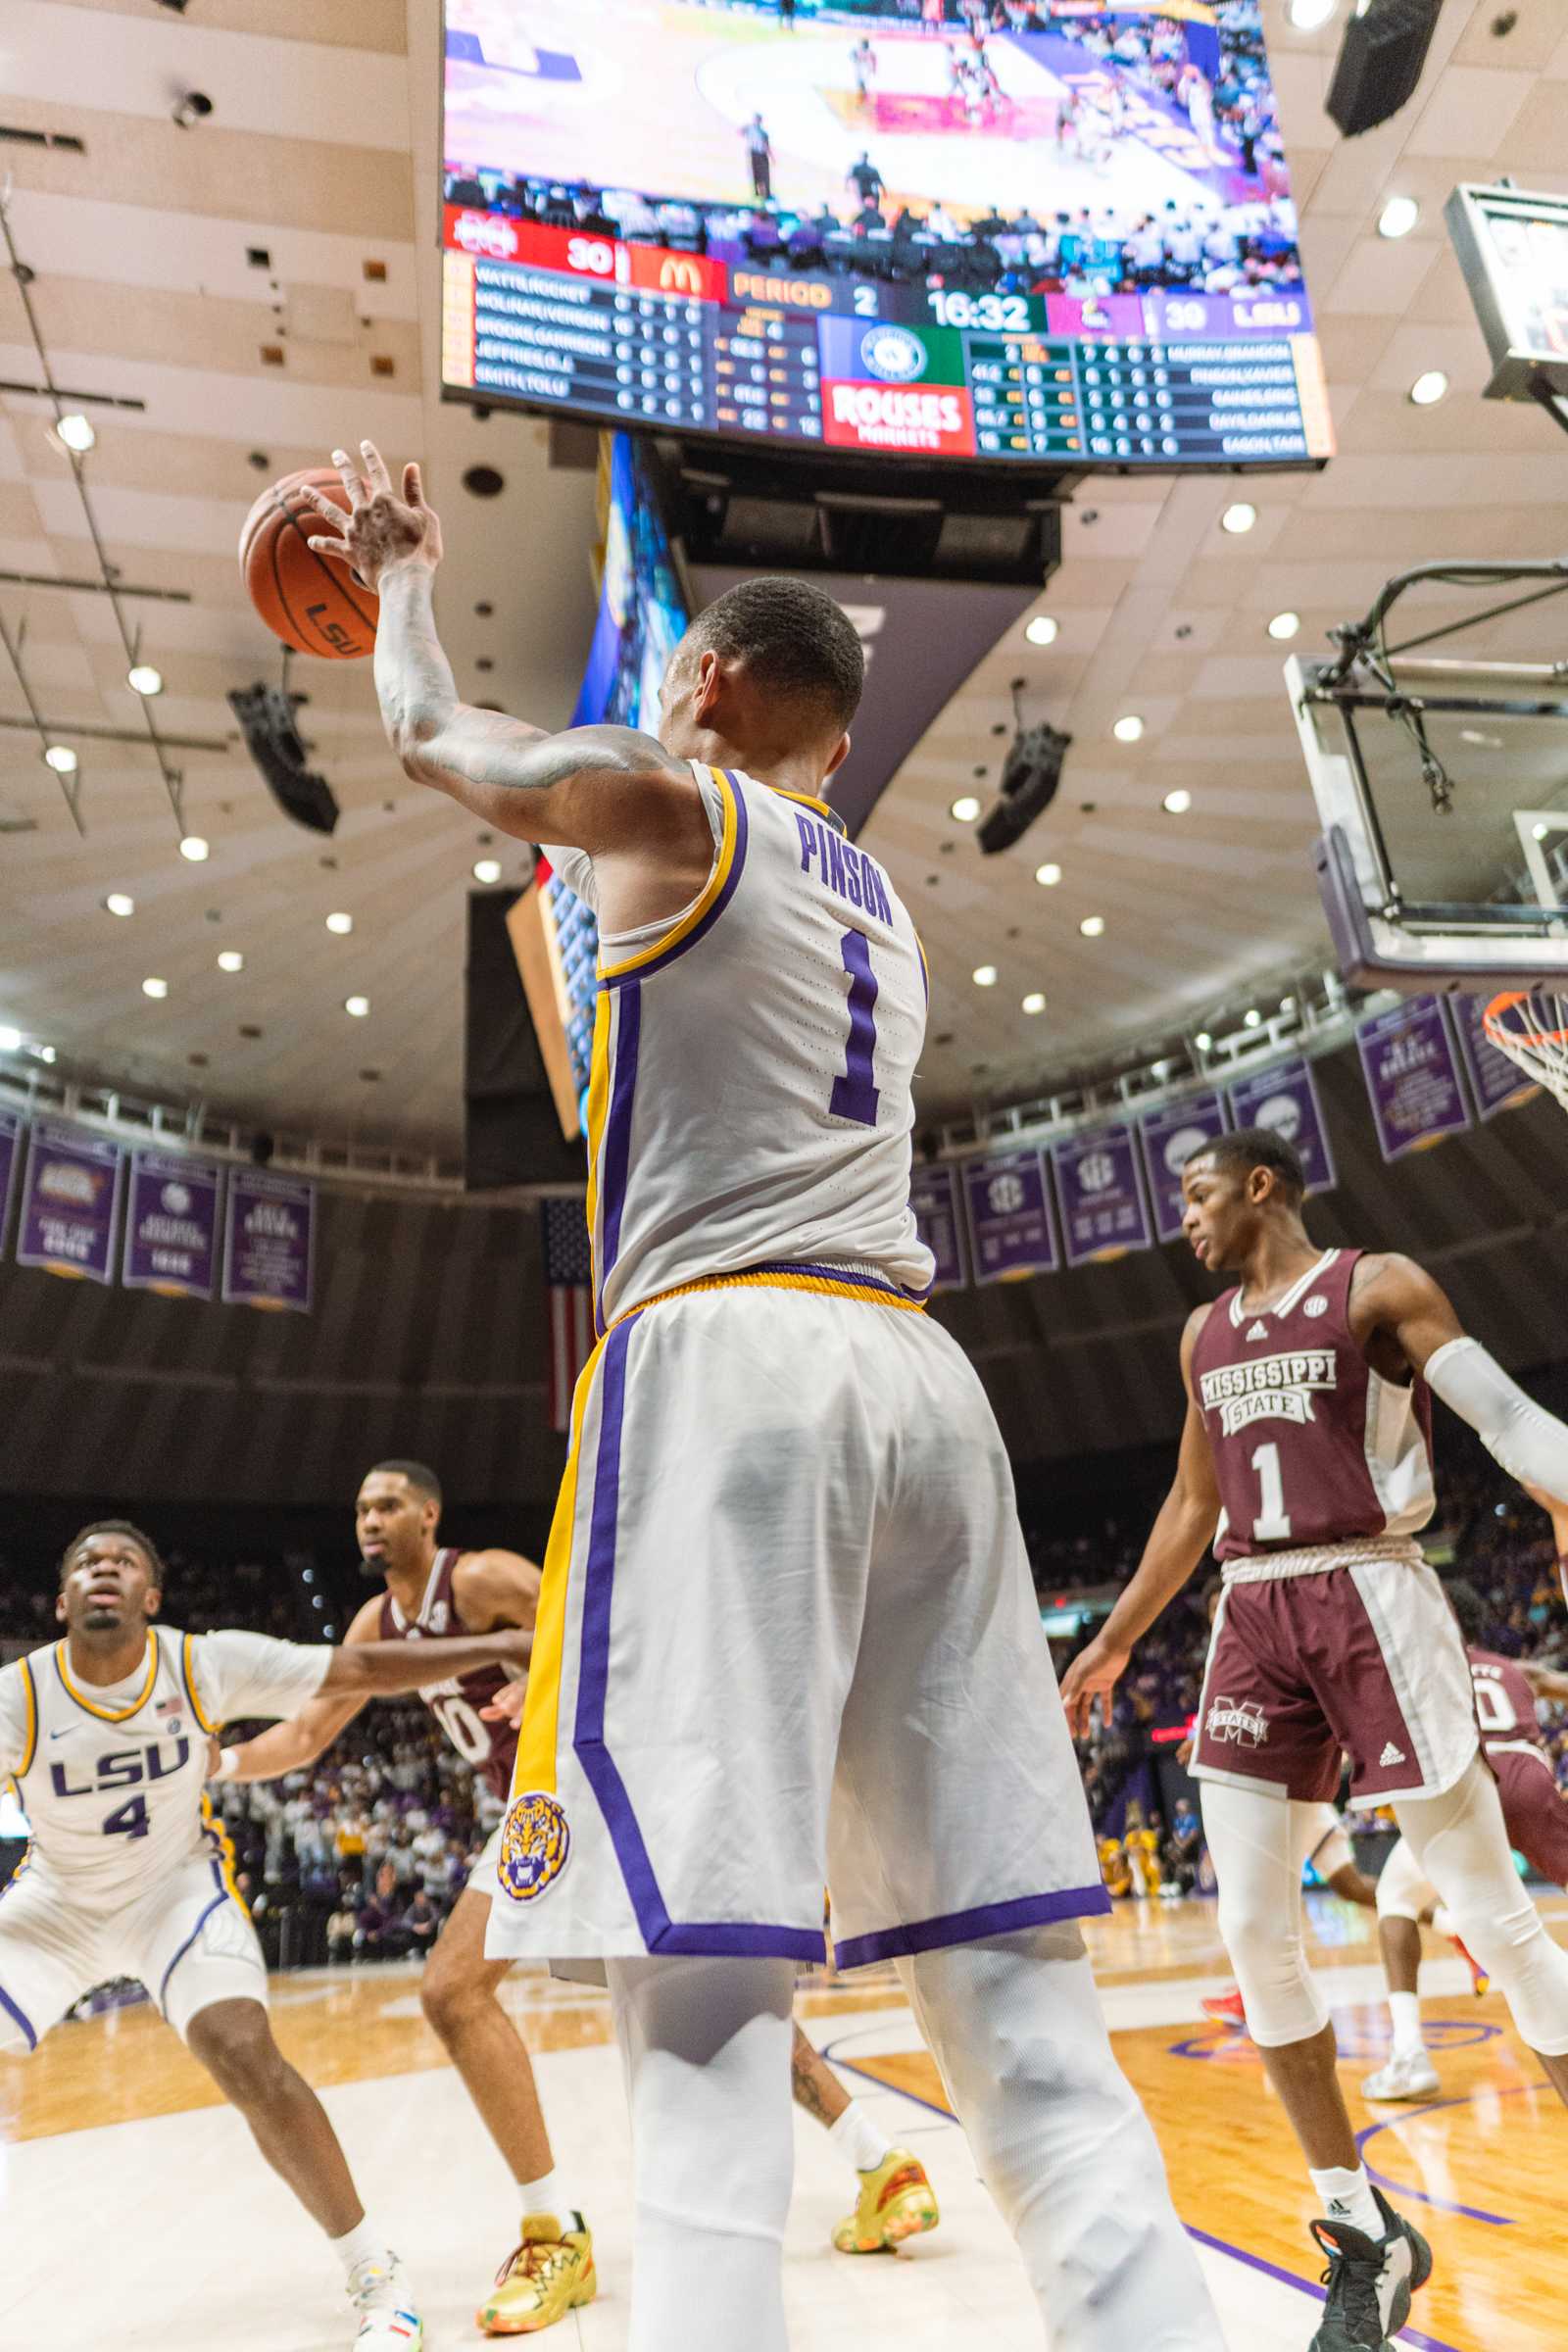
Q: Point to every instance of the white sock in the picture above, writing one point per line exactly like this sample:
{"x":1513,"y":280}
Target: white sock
{"x":365,"y":2242}
{"x":858,"y":2137}
{"x":1405,"y":2009}
{"x":546,"y":2196}
{"x":1348,"y":2197}
{"x":1443,"y":1921}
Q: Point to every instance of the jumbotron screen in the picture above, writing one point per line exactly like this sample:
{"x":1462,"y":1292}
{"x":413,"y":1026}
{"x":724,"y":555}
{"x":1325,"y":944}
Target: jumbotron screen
{"x":1010,"y":230}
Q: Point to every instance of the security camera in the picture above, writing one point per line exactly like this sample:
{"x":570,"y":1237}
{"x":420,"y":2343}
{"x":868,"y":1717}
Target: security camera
{"x":193,"y":107}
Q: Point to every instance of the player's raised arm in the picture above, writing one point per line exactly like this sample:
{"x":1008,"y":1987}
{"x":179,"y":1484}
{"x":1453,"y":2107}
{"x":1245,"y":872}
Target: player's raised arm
{"x":1178,"y":1540}
{"x":289,"y":1745}
{"x":1401,"y":1298}
{"x":600,"y":789}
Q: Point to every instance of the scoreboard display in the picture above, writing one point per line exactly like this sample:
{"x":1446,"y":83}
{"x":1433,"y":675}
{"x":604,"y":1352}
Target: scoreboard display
{"x":639,"y":334}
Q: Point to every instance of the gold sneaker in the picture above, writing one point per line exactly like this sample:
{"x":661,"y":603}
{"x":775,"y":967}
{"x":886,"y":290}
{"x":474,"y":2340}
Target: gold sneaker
{"x":551,"y":2272}
{"x":897,"y":2201}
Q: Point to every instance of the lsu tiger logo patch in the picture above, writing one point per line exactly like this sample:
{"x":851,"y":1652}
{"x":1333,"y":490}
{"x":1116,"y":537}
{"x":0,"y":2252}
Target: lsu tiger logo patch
{"x":534,"y":1846}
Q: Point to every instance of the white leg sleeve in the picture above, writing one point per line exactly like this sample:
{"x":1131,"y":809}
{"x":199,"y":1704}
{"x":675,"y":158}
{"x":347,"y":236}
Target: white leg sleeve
{"x":1062,"y":2143}
{"x":1462,"y":1844}
{"x":1403,"y":1889}
{"x":706,"y":2047}
{"x":1258,"y":1845}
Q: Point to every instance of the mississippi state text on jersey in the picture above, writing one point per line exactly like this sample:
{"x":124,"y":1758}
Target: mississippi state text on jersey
{"x":456,"y":1701}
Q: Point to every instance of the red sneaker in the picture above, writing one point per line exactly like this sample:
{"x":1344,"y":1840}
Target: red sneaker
{"x":1225,"y":2008}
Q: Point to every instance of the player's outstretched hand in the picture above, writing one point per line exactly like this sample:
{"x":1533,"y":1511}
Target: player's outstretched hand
{"x":1092,"y":1675}
{"x":381,"y":531}
{"x":507,"y":1704}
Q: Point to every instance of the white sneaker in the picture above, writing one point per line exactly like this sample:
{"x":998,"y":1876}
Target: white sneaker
{"x":380,"y":2293}
{"x":1408,"y":2074}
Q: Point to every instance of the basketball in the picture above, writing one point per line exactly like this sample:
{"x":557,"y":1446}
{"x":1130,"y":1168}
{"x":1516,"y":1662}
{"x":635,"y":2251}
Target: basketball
{"x":310,"y":603}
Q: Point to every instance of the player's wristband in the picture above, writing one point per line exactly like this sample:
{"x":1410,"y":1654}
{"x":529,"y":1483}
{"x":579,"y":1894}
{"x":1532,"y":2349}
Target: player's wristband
{"x":227,"y":1765}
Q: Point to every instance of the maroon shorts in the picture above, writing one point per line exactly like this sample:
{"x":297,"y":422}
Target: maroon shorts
{"x":1362,"y":1660}
{"x":1533,"y":1808}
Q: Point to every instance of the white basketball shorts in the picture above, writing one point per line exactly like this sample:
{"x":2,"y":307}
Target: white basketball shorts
{"x":188,"y":1938}
{"x":787,"y":1638}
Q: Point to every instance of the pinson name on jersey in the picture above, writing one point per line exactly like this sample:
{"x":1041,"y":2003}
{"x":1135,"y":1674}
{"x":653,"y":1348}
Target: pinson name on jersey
{"x":843,"y":867}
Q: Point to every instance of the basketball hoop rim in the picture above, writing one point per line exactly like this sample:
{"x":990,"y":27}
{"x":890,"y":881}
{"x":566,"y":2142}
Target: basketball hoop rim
{"x":1492,"y":1021}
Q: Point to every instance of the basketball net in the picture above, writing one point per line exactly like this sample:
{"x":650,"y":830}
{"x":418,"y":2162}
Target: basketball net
{"x":1531,"y":1026}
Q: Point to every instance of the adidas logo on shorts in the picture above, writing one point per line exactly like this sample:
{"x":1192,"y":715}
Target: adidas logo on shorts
{"x":1392,"y":1755}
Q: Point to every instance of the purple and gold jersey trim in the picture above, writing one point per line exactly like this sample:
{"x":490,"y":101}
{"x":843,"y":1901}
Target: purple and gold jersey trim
{"x":29,"y":1692}
{"x":111,"y":1714}
{"x":970,"y":1926}
{"x":829,"y":1282}
{"x":705,"y":911}
{"x":808,"y":800}
{"x":189,"y":1681}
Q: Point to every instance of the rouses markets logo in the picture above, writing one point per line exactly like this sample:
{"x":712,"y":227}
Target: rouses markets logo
{"x":893,"y":354}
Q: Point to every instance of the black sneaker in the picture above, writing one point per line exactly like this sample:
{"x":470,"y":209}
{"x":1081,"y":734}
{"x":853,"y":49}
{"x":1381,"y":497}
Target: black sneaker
{"x":1370,"y":2281}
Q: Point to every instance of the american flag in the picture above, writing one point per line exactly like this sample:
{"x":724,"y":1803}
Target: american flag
{"x":568,"y":1290}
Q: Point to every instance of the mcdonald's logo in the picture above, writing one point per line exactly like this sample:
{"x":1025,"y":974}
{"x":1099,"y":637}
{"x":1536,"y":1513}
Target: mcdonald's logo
{"x":679,"y":273}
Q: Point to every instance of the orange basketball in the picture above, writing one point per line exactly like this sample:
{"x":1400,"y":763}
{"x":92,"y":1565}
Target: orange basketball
{"x":314,"y":604}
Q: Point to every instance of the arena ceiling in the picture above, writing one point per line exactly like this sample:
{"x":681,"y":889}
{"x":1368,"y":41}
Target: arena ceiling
{"x":298,"y":220}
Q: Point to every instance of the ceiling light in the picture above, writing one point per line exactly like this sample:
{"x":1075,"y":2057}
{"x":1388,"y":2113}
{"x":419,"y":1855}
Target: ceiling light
{"x":1253,"y":1018}
{"x":1399,"y":216}
{"x":487,"y":869}
{"x":1539,"y":831}
{"x":1284,"y":624}
{"x":1129,"y":728}
{"x":10,"y":1040}
{"x":965,"y":809}
{"x":1203,"y":1040}
{"x":1043,"y":630}
{"x":155,"y":988}
{"x":1034,"y":1001}
{"x":359,"y":1006}
{"x":230,"y":960}
{"x":195,"y":849}
{"x":1239,"y":517}
{"x":1091,"y":925}
{"x":1493,"y":743}
{"x":1429,"y":388}
{"x":119,"y":903}
{"x":984,"y":975}
{"x":46,"y":1053}
{"x":1048,"y":875}
{"x":1307,"y":14}
{"x":142,"y":679}
{"x":1177,"y":804}
{"x":62,"y":758}
{"x":341,"y":923}
{"x":76,"y":432}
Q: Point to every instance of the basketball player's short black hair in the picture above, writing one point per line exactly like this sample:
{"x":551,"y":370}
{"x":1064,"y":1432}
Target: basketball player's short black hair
{"x":795,"y":642}
{"x":1251,"y":1148}
{"x":421,"y":1477}
{"x":114,"y":1527}
{"x":1471,"y":1610}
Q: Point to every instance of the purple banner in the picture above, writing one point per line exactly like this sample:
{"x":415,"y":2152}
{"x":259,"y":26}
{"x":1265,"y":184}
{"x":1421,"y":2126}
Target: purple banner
{"x":1169,"y":1138}
{"x":1285,"y":1099}
{"x":1011,"y":1231}
{"x":268,"y":1242}
{"x":171,"y":1225}
{"x":1103,"y":1212}
{"x":10,"y":1154}
{"x":69,"y":1201}
{"x":933,"y":1198}
{"x":1495,"y":1082}
{"x":1412,"y":1076}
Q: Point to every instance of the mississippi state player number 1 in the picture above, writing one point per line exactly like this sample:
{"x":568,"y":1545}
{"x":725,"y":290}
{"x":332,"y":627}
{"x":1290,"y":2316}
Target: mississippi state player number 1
{"x":1273,"y":1524}
{"x":854,"y":1096}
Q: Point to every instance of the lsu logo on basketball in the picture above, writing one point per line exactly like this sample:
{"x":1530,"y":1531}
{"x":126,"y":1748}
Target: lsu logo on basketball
{"x":534,"y":1846}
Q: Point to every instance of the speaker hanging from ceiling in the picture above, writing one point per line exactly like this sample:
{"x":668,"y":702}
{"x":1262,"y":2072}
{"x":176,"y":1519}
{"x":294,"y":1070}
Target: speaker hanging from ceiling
{"x":274,"y":741}
{"x":1381,"y":58}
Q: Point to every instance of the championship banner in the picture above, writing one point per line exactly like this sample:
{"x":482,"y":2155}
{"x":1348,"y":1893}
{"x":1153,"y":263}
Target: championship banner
{"x":1169,"y":1138}
{"x":1103,"y":1212}
{"x":1011,"y":1231}
{"x":933,"y":1198}
{"x":10,"y":1154}
{"x":1411,"y":1070}
{"x":69,"y":1201}
{"x":1495,"y":1082}
{"x":268,"y":1242}
{"x":1285,"y":1099}
{"x":171,"y":1225}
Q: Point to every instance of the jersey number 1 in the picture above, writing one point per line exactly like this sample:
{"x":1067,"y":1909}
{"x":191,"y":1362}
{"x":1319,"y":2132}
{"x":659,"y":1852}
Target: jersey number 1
{"x":1273,"y":1524}
{"x":854,"y":1096}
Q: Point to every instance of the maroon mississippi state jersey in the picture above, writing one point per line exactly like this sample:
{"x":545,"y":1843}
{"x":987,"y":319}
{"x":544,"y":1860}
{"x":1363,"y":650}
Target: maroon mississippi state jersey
{"x":1311,"y":1444}
{"x":1506,"y":1705}
{"x":455,"y":1704}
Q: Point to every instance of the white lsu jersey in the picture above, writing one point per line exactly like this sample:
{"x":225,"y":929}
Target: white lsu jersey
{"x":751,"y":1105}
{"x":111,"y":1778}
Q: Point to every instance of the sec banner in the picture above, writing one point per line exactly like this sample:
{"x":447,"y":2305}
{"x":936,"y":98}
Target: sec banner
{"x":171,"y":1225}
{"x":69,"y":1201}
{"x":933,"y":1198}
{"x":1104,"y":1213}
{"x":1169,"y":1138}
{"x":268,"y":1242}
{"x":1011,"y":1231}
{"x":1285,"y":1099}
{"x":1412,"y":1076}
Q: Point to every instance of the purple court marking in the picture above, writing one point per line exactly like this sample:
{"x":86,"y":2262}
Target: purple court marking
{"x":1472,"y":2213}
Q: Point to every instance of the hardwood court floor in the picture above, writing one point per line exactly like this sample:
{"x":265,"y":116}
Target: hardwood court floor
{"x":134,"y":2211}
